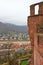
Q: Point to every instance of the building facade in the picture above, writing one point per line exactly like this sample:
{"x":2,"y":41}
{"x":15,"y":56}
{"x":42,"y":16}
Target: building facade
{"x":35,"y":27}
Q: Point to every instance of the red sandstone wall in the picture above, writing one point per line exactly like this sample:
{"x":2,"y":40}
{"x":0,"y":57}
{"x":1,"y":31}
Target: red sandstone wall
{"x":33,"y":20}
{"x":32,"y":28}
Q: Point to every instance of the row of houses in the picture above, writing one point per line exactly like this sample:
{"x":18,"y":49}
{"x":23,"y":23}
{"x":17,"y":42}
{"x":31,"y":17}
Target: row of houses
{"x":15,"y":36}
{"x":26,"y":45}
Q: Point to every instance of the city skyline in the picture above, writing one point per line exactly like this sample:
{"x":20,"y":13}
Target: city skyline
{"x":15,"y":11}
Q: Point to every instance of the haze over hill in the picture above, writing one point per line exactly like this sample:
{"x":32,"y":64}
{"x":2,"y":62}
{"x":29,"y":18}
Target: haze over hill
{"x":5,"y":27}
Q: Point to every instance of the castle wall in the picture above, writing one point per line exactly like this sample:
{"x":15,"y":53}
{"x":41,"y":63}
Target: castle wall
{"x":33,"y":20}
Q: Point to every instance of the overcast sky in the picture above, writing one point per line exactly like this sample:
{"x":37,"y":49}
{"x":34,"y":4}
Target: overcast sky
{"x":15,"y":11}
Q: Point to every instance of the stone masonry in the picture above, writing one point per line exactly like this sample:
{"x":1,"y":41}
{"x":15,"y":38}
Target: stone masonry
{"x":35,"y":27}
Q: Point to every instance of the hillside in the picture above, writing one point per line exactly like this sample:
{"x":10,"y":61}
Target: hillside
{"x":5,"y":27}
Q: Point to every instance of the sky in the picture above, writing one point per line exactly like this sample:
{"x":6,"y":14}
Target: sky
{"x":15,"y":11}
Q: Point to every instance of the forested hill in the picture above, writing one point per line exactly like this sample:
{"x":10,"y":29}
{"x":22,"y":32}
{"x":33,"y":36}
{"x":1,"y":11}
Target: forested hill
{"x":5,"y":27}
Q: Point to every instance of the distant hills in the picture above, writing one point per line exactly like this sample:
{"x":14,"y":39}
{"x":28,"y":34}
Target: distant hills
{"x":5,"y":27}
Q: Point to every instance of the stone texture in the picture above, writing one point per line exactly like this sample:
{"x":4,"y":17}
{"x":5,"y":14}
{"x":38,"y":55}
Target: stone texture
{"x":33,"y":21}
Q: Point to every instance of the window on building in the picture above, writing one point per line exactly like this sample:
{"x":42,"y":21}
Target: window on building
{"x":36,"y":9}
